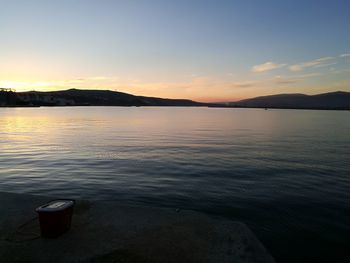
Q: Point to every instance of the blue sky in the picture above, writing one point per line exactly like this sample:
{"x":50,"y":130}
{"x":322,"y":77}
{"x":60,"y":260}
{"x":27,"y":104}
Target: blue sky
{"x":204,"y":50}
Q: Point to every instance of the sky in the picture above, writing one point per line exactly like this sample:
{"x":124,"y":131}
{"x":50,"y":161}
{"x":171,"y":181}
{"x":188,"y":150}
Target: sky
{"x":203,"y":50}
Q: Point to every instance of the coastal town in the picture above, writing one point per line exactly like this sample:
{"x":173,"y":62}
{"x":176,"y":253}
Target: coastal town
{"x":10,"y":98}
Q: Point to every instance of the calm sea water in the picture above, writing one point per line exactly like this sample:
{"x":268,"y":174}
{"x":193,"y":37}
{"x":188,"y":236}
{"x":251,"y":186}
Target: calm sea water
{"x":286,"y":173}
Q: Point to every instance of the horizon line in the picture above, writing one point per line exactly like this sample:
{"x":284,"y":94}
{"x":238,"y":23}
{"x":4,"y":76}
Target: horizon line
{"x":212,"y":101}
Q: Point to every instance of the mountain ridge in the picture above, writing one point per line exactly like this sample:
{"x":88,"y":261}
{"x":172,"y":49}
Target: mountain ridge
{"x":329,"y":100}
{"x":80,"y":97}
{"x":338,"y":100}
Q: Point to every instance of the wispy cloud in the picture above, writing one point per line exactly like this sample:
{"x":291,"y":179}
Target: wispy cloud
{"x":282,"y":80}
{"x":267,"y":66}
{"x":325,"y":65}
{"x":246,"y":84}
{"x":316,"y":63}
{"x":340,"y":71}
{"x":325,"y":61}
{"x":276,"y":81}
{"x":346,"y":55}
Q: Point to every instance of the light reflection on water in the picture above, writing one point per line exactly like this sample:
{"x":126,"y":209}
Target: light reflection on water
{"x":284,"y":172}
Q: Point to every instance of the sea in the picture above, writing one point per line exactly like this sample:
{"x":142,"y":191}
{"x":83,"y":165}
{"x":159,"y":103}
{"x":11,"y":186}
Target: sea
{"x":285,"y":173}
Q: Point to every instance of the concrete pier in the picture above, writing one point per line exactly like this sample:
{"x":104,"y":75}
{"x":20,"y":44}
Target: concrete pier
{"x":110,"y":232}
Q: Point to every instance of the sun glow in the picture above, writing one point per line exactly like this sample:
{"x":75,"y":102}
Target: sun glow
{"x":21,"y":86}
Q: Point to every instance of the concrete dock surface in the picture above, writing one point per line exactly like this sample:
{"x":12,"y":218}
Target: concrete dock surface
{"x":110,"y":232}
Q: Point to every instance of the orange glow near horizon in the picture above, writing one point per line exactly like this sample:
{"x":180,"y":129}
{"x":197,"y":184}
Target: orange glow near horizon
{"x":218,"y":88}
{"x":189,"y":90}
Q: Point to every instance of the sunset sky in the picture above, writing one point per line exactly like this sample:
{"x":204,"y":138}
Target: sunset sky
{"x":195,"y":49}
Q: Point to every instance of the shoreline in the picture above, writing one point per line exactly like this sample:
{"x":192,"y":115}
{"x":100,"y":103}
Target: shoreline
{"x":107,"y":231}
{"x":204,"y":106}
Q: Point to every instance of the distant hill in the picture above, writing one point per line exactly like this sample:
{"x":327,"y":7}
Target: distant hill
{"x":76,"y":97}
{"x":339,"y":100}
{"x":332,"y":100}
